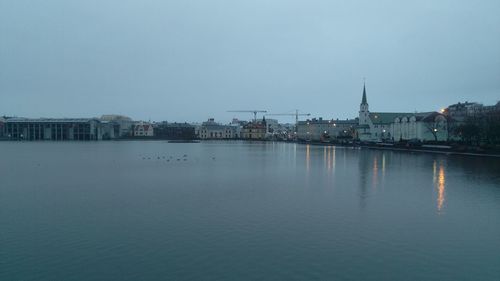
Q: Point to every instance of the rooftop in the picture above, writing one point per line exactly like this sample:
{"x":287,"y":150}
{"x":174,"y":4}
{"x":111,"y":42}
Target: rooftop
{"x":329,"y":121}
{"x":388,"y":117}
{"x":50,"y":120}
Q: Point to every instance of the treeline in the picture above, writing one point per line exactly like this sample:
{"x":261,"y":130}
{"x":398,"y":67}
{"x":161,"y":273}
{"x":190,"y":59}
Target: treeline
{"x":482,"y":130}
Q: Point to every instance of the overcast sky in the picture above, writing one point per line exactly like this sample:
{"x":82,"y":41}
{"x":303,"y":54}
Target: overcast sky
{"x":190,"y":60}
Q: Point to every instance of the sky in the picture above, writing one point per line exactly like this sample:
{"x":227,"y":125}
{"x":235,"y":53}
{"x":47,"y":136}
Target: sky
{"x":189,"y":60}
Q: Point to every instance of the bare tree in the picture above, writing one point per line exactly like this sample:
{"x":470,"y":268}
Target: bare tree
{"x":436,"y":125}
{"x":432,"y":127}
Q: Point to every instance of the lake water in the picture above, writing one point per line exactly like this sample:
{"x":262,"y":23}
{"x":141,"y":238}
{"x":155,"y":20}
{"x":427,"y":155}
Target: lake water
{"x":144,"y":210}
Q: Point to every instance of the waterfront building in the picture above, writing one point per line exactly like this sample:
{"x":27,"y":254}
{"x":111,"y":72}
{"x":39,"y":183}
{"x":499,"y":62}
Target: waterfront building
{"x":256,"y":130}
{"x":143,"y":129}
{"x":122,"y":125}
{"x":110,"y":130}
{"x":213,"y":130}
{"x":459,"y":112}
{"x":174,"y":131}
{"x":53,"y":129}
{"x":319,"y":129}
{"x":2,"y":121}
{"x":278,"y":131}
{"x":272,"y":126}
{"x":471,"y":121}
{"x":392,"y":126}
{"x":287,"y":132}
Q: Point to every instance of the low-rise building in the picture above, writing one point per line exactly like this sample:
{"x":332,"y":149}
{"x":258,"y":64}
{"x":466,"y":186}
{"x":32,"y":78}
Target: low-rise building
{"x":256,"y":130}
{"x":318,"y":129}
{"x":122,"y":125}
{"x":272,"y":126}
{"x":213,"y":130}
{"x":2,"y":121}
{"x":53,"y":129}
{"x":459,"y":112}
{"x":143,"y":129}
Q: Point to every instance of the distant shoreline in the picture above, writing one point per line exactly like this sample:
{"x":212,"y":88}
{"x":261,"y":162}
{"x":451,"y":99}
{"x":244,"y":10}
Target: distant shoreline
{"x":447,"y":152}
{"x":411,"y":149}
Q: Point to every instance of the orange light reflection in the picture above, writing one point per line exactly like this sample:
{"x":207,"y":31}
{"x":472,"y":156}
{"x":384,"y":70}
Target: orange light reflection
{"x":441,"y":187}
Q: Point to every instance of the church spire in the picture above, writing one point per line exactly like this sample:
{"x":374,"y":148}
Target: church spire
{"x":363,"y":101}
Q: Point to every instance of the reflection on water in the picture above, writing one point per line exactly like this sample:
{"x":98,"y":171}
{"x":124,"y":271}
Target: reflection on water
{"x":439,"y":179}
{"x":441,"y":182}
{"x":364,"y":173}
{"x":434,"y":171}
{"x":383,"y":165}
{"x":333,"y":159}
{"x":308,"y":157}
{"x":329,"y":158}
{"x":324,"y":156}
{"x":245,"y":210}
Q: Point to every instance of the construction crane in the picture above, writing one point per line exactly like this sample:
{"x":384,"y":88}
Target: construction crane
{"x":296,"y":114}
{"x":251,"y":111}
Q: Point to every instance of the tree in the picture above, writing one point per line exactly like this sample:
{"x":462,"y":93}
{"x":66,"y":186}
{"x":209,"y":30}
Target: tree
{"x":432,"y":127}
{"x":492,"y":127}
{"x":436,"y":125}
{"x":469,"y":131}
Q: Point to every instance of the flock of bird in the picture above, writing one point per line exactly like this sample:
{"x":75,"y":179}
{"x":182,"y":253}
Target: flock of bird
{"x":168,"y":158}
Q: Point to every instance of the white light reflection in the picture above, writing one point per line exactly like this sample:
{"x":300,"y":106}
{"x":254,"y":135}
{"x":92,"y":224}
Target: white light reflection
{"x":375,"y":172}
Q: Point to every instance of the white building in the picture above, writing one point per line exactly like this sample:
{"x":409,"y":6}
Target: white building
{"x":213,"y":130}
{"x":459,"y":112}
{"x":323,"y":130}
{"x":390,"y":126}
{"x":143,"y":129}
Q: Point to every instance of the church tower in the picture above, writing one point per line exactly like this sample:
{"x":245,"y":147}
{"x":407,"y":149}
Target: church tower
{"x":363,"y":108}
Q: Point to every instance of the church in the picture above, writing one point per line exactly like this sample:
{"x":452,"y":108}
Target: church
{"x":392,"y":126}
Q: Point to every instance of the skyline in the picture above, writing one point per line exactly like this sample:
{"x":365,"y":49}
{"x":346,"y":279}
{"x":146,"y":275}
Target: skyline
{"x":268,"y":115}
{"x":191,"y":61}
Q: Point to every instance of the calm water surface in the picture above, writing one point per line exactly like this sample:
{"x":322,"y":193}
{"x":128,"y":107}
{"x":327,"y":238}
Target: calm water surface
{"x":244,"y":211}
